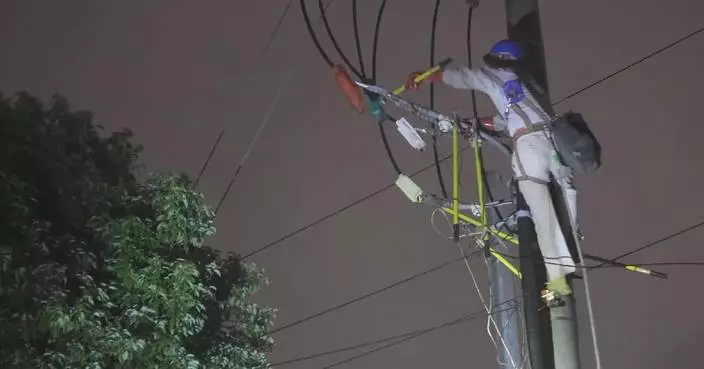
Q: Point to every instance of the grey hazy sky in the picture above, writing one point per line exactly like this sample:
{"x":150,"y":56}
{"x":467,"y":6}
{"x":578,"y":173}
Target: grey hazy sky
{"x":177,"y":72}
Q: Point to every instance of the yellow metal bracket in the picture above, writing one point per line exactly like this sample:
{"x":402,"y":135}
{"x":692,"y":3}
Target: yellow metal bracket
{"x":421,"y":77}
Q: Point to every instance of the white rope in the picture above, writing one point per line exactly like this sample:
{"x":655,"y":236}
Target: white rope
{"x":486,"y":308}
{"x":588,"y":295}
{"x":491,"y":320}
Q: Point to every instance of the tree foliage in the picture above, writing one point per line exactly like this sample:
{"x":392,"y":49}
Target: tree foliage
{"x":100,"y":270}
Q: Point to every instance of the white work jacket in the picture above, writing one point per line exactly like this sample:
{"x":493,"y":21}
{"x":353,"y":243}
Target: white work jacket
{"x":491,"y":82}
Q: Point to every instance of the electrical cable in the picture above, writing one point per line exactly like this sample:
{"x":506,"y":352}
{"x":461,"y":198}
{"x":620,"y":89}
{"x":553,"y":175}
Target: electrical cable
{"x":666,"y":263}
{"x":377,"y":26}
{"x":265,"y":120}
{"x":255,"y":138}
{"x":311,"y":33}
{"x":433,"y":30}
{"x":375,"y":49}
{"x":357,"y":42}
{"x":338,"y":211}
{"x":655,"y":243}
{"x":207,"y":161}
{"x":373,"y":293}
{"x":276,"y":27}
{"x":334,"y":41}
{"x":469,"y":317}
{"x":629,"y":66}
{"x":463,"y":319}
{"x":272,"y":36}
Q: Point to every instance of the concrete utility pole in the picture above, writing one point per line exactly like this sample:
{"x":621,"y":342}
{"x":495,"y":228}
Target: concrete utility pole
{"x":504,"y":285}
{"x":523,"y":23}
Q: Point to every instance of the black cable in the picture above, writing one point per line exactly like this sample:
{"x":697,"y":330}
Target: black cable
{"x":357,"y":42}
{"x":340,"y":210}
{"x":375,"y":48}
{"x":664,"y":263}
{"x":675,"y":43}
{"x":463,"y":319}
{"x":210,"y":156}
{"x":436,"y":158}
{"x":276,"y":28}
{"x":469,"y":317}
{"x":639,"y":249}
{"x":272,"y":36}
{"x":379,"y":16}
{"x":373,"y":293}
{"x":311,"y":32}
{"x":384,"y":139}
{"x":334,"y":41}
{"x":656,"y":242}
{"x":469,"y":57}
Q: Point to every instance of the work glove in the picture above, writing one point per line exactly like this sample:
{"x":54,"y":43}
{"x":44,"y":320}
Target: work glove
{"x":412,"y":85}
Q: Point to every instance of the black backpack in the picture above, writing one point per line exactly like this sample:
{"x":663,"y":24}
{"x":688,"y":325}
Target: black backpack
{"x":575,"y":143}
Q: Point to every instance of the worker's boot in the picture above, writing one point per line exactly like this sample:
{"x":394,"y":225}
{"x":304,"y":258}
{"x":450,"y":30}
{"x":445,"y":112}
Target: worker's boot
{"x":554,"y":291}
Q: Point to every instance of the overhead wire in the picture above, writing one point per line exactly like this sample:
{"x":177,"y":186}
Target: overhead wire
{"x":334,"y":41}
{"x":338,"y":211}
{"x":388,"y":118}
{"x":269,"y":41}
{"x":656,"y":242}
{"x":469,"y":317}
{"x":463,"y":319}
{"x":373,"y":293}
{"x":456,"y":321}
{"x":440,"y":267}
{"x":433,"y":31}
{"x":357,"y":41}
{"x":279,"y":22}
{"x":207,"y":160}
{"x":259,"y":131}
{"x":255,"y":138}
{"x":629,"y":66}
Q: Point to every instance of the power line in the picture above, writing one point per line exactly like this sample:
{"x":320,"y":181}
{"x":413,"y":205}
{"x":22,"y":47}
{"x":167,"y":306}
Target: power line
{"x":257,"y":134}
{"x":276,"y":27}
{"x":469,"y":317}
{"x":272,"y":36}
{"x":415,"y":333}
{"x":207,"y":161}
{"x":357,"y":41}
{"x":374,"y":293}
{"x":340,"y":210}
{"x":629,"y":66}
{"x":656,"y":242}
{"x":264,"y":122}
{"x":450,"y":262}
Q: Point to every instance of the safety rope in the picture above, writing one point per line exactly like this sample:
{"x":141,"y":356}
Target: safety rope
{"x":588,"y":294}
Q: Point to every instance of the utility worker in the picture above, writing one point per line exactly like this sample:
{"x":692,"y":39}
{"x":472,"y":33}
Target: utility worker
{"x":534,"y":156}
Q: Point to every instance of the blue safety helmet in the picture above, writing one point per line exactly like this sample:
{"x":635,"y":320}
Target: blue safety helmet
{"x":507,"y":49}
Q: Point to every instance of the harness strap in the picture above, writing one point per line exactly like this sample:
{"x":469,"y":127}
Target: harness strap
{"x":517,"y":108}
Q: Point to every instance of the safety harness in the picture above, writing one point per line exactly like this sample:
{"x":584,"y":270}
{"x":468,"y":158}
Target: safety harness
{"x":575,"y":144}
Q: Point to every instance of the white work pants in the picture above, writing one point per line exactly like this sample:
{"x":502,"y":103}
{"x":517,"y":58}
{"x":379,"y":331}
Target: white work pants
{"x":534,"y":159}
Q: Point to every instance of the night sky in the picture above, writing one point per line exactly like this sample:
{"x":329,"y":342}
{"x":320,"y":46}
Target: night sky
{"x":179,"y":72}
